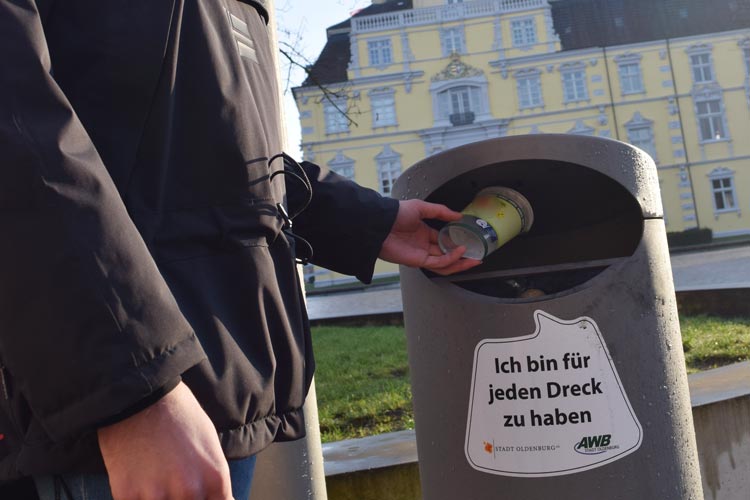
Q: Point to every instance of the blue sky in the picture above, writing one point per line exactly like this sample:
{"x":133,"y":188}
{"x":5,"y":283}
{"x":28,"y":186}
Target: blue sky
{"x":302,"y":23}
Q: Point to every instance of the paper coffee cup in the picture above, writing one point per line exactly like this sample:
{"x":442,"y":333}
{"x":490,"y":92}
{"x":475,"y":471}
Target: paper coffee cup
{"x":495,"y":216}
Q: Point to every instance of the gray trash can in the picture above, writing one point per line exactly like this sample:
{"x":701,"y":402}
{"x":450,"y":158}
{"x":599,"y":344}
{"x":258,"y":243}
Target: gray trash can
{"x":555,"y":369}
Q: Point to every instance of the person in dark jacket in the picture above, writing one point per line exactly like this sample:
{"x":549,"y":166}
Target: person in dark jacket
{"x":151,"y":318}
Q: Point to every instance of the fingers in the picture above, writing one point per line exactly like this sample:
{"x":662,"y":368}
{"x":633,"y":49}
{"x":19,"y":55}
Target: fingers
{"x":449,"y":263}
{"x":435,"y":211}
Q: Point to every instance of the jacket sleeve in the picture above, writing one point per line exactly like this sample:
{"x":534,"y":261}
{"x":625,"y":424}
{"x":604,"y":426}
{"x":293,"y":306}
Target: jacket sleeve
{"x":88,"y":327}
{"x":345,"y":223}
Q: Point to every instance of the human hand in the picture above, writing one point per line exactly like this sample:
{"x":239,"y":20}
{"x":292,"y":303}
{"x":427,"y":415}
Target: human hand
{"x":413,"y":243}
{"x":169,"y":451}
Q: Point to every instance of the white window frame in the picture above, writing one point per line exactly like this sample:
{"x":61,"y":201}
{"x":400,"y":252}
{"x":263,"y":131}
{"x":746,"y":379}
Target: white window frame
{"x":459,"y":99}
{"x":380,"y":52}
{"x":631,"y":82}
{"x":573,"y":76}
{"x":383,"y":108}
{"x":446,"y":80}
{"x":725,"y":190}
{"x":335,"y":118}
{"x":643,"y":138}
{"x":453,"y":40}
{"x":389,"y":169}
{"x":529,"y":89}
{"x":701,"y":64}
{"x":714,"y":120}
{"x":523,"y":31}
{"x":641,"y":134}
{"x":342,"y":165}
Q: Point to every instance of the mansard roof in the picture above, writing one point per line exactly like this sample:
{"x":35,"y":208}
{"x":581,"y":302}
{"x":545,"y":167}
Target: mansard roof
{"x":579,"y":23}
{"x":602,"y":23}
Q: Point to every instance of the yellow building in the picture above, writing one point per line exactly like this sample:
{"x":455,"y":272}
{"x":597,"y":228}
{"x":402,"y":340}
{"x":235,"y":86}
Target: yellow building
{"x":404,"y":79}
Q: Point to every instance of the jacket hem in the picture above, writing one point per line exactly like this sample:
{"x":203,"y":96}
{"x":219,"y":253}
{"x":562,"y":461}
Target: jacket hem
{"x":254,"y":437}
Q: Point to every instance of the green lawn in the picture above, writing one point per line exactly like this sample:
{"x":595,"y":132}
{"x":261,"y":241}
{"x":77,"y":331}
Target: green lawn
{"x":362,"y":379}
{"x":710,"y":342}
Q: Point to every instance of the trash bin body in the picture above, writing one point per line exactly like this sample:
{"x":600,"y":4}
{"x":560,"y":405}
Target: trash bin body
{"x":555,"y":369}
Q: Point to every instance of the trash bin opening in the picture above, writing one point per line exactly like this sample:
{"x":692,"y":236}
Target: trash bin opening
{"x":584,"y":222}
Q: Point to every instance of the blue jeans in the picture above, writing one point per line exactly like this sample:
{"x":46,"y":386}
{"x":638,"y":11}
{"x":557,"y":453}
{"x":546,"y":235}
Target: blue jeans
{"x":96,"y":486}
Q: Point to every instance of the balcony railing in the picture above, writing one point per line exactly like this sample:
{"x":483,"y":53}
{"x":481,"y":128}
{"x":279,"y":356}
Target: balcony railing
{"x":457,"y":119}
{"x":432,"y":15}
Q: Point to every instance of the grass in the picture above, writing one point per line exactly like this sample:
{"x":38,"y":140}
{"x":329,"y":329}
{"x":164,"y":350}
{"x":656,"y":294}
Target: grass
{"x":362,"y":379}
{"x":711,"y":342}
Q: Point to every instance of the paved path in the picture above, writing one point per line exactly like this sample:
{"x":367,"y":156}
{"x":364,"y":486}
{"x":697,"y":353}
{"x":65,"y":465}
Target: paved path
{"x":725,"y":268}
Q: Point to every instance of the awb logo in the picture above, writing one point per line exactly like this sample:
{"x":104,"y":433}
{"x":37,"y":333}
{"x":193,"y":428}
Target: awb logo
{"x":593,"y":445}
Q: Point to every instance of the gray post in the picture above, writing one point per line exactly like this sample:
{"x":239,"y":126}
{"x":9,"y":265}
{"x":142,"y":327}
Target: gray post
{"x":291,"y":471}
{"x":555,"y":369}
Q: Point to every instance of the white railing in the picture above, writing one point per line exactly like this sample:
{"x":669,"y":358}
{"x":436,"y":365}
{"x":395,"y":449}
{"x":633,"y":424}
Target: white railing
{"x":431,"y":15}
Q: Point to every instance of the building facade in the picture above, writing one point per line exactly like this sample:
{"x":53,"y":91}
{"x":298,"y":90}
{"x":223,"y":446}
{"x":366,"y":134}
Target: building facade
{"x":405,"y":79}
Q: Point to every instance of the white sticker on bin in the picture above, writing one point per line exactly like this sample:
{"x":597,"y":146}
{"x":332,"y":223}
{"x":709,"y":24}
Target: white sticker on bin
{"x":548,"y":404}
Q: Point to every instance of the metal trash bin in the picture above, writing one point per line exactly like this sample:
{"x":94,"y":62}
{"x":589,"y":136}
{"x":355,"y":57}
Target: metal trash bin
{"x":555,"y":369}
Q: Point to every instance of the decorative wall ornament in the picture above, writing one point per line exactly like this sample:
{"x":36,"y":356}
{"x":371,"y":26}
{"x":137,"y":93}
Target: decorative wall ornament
{"x":408,"y":81}
{"x":672,"y":106}
{"x":593,"y":61}
{"x":662,"y":54}
{"x":572,"y":66}
{"x":354,"y":50}
{"x":504,"y":69}
{"x":581,"y":128}
{"x":387,"y":153}
{"x":603,"y":118}
{"x":550,"y":68}
{"x":627,"y":57}
{"x":638,"y":121}
{"x":497,"y":43}
{"x":526,"y":72}
{"x":457,"y":69}
{"x":697,"y":48}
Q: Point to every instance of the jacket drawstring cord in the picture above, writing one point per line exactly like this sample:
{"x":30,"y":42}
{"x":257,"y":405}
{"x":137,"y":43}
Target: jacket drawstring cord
{"x":290,"y":165}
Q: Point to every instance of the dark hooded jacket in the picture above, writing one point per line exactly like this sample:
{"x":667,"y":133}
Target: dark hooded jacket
{"x":141,"y":235}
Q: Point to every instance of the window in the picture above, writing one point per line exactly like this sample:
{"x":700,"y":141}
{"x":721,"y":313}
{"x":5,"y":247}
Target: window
{"x":701,"y":64}
{"x":380,"y":52}
{"x":643,"y":138}
{"x":523,"y":32}
{"x":710,"y":120}
{"x":574,"y":84}
{"x":722,"y":188}
{"x":335,"y":117}
{"x":459,"y":104}
{"x":630,"y":78}
{"x":383,"y":109}
{"x":529,"y":90}
{"x":452,"y":41}
{"x":342,"y":165}
{"x":746,"y":54}
{"x":389,"y":168}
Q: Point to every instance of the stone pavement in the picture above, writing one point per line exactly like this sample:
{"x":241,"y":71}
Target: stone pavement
{"x":722,"y":268}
